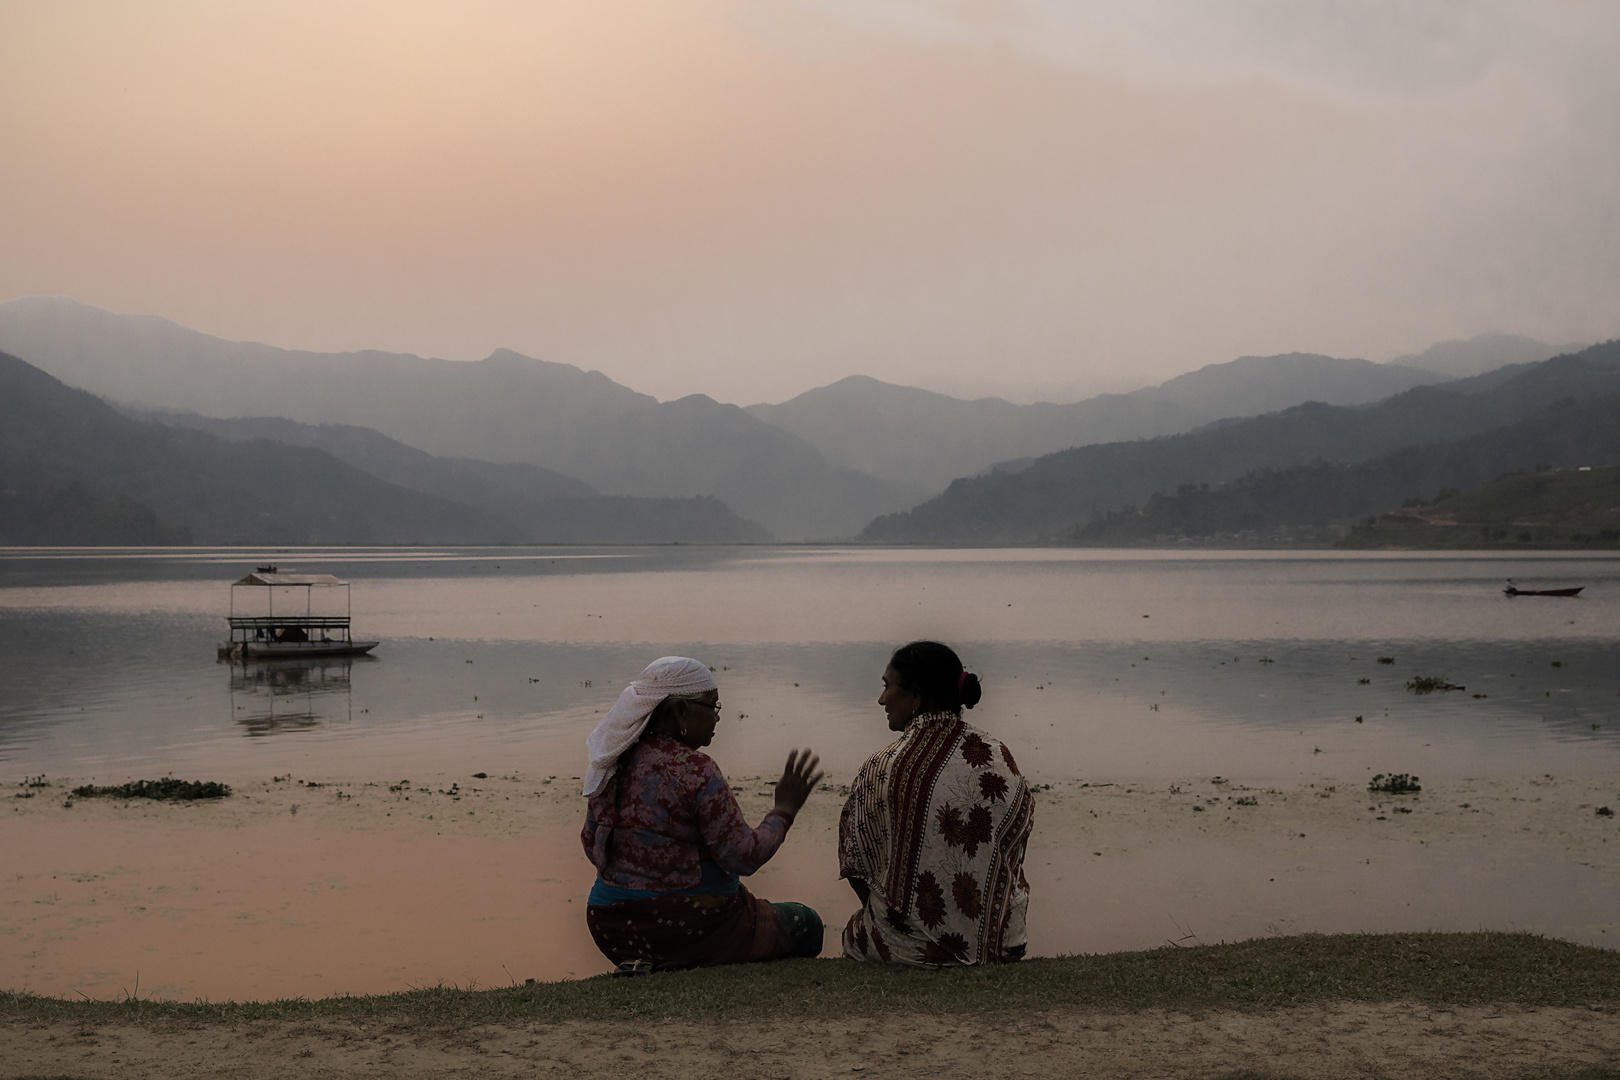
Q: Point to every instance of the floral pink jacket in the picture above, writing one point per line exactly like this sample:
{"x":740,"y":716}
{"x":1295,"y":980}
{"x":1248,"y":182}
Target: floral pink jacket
{"x":673,"y":809}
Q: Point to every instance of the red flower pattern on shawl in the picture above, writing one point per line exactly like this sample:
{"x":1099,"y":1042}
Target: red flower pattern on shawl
{"x":1012,"y":766}
{"x":975,"y":751}
{"x":930,"y":900}
{"x":669,"y":805}
{"x":923,"y":821}
{"x":948,"y":949}
{"x":965,"y":891}
{"x":980,"y":830}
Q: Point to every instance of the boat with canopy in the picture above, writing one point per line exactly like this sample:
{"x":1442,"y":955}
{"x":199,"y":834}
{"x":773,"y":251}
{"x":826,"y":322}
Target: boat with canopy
{"x":296,"y":630}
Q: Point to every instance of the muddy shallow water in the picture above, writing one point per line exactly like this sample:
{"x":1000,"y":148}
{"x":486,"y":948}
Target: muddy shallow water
{"x":316,"y":887}
{"x":1129,"y":682}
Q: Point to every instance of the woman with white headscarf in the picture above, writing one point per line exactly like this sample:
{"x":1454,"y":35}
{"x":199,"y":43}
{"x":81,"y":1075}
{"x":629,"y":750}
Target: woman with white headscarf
{"x":669,"y":842}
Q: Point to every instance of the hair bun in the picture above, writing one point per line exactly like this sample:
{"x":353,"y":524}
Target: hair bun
{"x":971,"y":690}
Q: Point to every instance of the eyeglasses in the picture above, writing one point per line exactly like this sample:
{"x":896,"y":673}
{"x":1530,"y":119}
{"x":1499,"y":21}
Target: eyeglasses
{"x":715,"y":704}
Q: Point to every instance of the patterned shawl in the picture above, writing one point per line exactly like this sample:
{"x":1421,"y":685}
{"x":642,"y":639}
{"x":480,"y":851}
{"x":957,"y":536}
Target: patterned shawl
{"x":936,"y":824}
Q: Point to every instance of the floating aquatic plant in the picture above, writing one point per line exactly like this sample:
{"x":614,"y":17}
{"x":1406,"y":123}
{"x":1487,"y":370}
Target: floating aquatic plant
{"x":1425,"y":684}
{"x":1395,"y":784}
{"x":167,"y":789}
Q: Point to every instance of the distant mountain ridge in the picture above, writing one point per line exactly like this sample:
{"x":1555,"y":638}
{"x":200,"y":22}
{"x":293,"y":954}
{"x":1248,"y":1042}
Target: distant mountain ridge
{"x":75,"y":470}
{"x":197,"y":486}
{"x":1544,"y":508}
{"x":1486,"y":352}
{"x":920,"y":441}
{"x":504,"y":409}
{"x":1060,"y":490}
{"x":1314,"y":502}
{"x":820,"y":466}
{"x":545,"y":506}
{"x":491,"y":487}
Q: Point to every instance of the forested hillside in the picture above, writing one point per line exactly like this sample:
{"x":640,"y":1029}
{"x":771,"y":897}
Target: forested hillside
{"x":1059,"y":491}
{"x":74,"y":470}
{"x":920,"y":441}
{"x":506,"y":408}
{"x":1315,"y":503}
{"x":203,"y":487}
{"x":1543,"y":508}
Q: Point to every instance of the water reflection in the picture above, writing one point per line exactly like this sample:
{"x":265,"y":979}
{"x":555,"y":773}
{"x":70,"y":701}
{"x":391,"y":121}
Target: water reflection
{"x":1100,"y":663}
{"x":273,"y":697}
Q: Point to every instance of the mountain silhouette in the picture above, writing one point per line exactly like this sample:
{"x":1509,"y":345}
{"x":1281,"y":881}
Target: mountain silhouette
{"x":1059,"y":491}
{"x":920,"y":441}
{"x":504,"y":409}
{"x":74,"y":470}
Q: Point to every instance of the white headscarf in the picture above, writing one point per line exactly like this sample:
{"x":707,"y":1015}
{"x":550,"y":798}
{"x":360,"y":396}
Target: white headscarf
{"x":624,"y":723}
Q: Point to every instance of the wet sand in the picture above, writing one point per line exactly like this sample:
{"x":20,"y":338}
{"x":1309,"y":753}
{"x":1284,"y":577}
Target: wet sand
{"x":319,"y":886}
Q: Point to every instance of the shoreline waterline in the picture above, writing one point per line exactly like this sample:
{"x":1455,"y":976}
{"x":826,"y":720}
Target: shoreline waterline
{"x":296,"y":886}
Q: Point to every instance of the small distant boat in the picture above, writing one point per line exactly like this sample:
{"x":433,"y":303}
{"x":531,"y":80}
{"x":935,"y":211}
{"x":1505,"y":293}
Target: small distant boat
{"x":1514,"y":590}
{"x":290,"y":634}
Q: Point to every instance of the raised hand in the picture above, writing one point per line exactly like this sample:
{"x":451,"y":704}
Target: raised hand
{"x":799,"y":779}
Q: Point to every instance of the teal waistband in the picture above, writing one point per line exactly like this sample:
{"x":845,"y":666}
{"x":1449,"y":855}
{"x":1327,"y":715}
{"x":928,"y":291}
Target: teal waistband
{"x":713,"y":882}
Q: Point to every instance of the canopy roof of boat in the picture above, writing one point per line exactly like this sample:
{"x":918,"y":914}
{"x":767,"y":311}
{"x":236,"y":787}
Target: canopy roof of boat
{"x":290,"y":579}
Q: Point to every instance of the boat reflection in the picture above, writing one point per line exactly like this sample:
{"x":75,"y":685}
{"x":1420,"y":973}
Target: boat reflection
{"x":274,"y":697}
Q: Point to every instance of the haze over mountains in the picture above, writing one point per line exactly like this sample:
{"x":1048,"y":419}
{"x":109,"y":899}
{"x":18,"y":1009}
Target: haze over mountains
{"x":1309,"y":503}
{"x":73,"y":470}
{"x":504,"y":435}
{"x":1060,"y":492}
{"x":1477,"y":355}
{"x":506,"y":408}
{"x":920,"y":441}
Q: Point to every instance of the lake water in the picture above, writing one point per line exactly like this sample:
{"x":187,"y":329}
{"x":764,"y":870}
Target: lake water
{"x":1100,"y":664}
{"x":1207,"y":723}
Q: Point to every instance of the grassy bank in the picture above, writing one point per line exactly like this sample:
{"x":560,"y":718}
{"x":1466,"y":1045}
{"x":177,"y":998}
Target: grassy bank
{"x":1448,"y":969}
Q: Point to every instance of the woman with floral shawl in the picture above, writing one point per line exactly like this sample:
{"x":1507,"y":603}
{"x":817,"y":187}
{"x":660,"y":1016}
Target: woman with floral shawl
{"x":932,"y":838}
{"x":669,"y":842}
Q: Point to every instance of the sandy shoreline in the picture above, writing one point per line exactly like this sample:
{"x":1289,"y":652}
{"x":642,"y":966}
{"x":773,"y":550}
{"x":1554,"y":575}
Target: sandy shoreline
{"x":1327,"y":1041}
{"x":306,"y":887}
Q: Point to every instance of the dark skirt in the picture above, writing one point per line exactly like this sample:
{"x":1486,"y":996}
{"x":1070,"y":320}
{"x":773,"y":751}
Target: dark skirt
{"x":704,"y":931}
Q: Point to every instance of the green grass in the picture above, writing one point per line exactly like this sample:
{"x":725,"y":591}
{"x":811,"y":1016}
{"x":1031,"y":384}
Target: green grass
{"x":1449,"y":969}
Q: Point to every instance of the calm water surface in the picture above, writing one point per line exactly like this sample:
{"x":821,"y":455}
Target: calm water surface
{"x":1253,"y":665}
{"x":1100,"y":668}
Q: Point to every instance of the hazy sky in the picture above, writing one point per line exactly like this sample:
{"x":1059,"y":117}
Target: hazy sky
{"x":751,"y":198}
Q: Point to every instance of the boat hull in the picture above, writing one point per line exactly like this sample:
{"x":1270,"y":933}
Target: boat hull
{"x":289,"y":650}
{"x":1545,"y":592}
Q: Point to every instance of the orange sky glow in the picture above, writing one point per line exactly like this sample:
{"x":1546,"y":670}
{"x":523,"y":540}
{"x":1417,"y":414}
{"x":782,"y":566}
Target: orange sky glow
{"x":748,"y":199}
